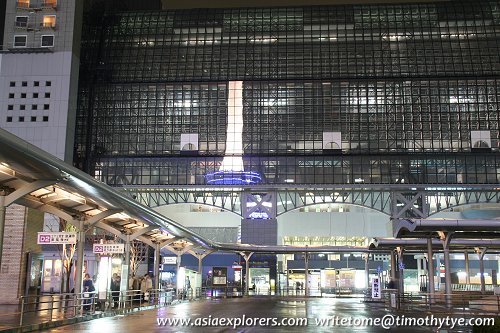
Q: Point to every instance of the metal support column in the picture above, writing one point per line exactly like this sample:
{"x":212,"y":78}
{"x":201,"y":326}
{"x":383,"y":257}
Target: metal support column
{"x":447,"y":275}
{"x":393,"y":266}
{"x":467,"y":268}
{"x":200,"y":265}
{"x":125,"y":281}
{"x":419,"y":267}
{"x":2,"y":224}
{"x":306,"y":274}
{"x":445,"y":238}
{"x":156,"y":270}
{"x":481,"y":253}
{"x":367,"y":269}
{"x":430,"y":269}
{"x":399,"y":251}
{"x":247,"y":256}
{"x":80,"y":247}
{"x":178,"y":265}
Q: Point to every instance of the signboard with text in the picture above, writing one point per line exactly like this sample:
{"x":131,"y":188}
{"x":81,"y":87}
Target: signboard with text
{"x":109,"y":248}
{"x":219,"y":276}
{"x":376,"y":291}
{"x":56,"y":238}
{"x":169,"y":260}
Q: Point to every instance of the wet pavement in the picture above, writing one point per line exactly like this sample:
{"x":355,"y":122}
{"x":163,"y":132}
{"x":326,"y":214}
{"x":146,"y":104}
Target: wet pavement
{"x":245,"y":310}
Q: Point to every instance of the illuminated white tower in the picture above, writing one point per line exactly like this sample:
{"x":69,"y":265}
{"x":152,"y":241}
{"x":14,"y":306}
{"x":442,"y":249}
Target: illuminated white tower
{"x":231,"y":170}
{"x":233,"y":160}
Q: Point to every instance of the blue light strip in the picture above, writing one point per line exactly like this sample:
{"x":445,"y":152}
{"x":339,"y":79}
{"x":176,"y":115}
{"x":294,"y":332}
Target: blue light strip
{"x":230,"y":177}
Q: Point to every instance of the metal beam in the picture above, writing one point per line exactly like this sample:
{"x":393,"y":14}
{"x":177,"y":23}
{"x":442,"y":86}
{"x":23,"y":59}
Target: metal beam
{"x":59,"y":213}
{"x":143,"y":231}
{"x":110,"y":229}
{"x":102,"y":215}
{"x":27,"y":189}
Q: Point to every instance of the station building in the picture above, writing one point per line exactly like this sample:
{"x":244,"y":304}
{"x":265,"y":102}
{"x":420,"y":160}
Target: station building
{"x":274,"y":124}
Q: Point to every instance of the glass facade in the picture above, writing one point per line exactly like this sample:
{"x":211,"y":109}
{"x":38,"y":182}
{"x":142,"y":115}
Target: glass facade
{"x":373,"y":94}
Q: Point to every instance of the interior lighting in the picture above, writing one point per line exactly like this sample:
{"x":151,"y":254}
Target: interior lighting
{"x":263,"y":40}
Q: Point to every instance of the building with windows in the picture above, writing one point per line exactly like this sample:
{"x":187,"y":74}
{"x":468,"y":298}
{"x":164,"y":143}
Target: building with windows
{"x":39,"y":62}
{"x":291,"y":124}
{"x":295,"y":125}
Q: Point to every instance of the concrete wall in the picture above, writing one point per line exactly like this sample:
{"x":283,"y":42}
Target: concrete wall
{"x":52,"y":74}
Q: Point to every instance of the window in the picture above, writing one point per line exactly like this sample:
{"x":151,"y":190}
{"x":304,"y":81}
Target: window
{"x":12,"y":84}
{"x":9,"y":119}
{"x":46,"y":106}
{"x":22,"y":107}
{"x":34,"y":107}
{"x":21,"y":21}
{"x":48,"y":83}
{"x":45,"y":118}
{"x":50,"y":3}
{"x":20,"y":41}
{"x":47,"y":95}
{"x":23,"y":3}
{"x":33,"y":118}
{"x":35,"y":95}
{"x":10,"y":107}
{"x":49,"y":21}
{"x":36,"y":83}
{"x":47,"y":41}
{"x":23,"y":95}
{"x":21,"y":119}
{"x":24,"y":83}
{"x":11,"y":95}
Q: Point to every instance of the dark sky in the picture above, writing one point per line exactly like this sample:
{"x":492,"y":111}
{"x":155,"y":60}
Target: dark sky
{"x":267,"y":3}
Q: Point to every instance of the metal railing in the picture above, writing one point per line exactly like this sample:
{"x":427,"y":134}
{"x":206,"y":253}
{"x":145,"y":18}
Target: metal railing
{"x":466,"y":303}
{"x":37,"y":309}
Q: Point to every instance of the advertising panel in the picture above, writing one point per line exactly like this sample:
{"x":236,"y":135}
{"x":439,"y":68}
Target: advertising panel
{"x":219,"y":276}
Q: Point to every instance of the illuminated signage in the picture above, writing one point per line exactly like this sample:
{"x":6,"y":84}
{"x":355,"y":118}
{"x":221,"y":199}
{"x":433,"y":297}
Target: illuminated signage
{"x":109,"y":248}
{"x":56,"y":238}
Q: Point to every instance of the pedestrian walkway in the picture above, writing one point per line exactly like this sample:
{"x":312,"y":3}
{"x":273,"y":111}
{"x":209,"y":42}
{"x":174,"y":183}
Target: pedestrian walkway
{"x":42,"y":314}
{"x":261,"y":308}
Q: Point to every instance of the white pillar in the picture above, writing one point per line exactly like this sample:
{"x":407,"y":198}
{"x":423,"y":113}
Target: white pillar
{"x":157,"y":266}
{"x":80,"y":247}
{"x":467,"y":268}
{"x":393,"y":266}
{"x":306,"y":273}
{"x":481,"y":253}
{"x":247,"y":257}
{"x":200,"y":265}
{"x":367,"y":270}
{"x":401,"y":270}
{"x":447,"y":275}
{"x":125,"y":281}
{"x":430,"y":268}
